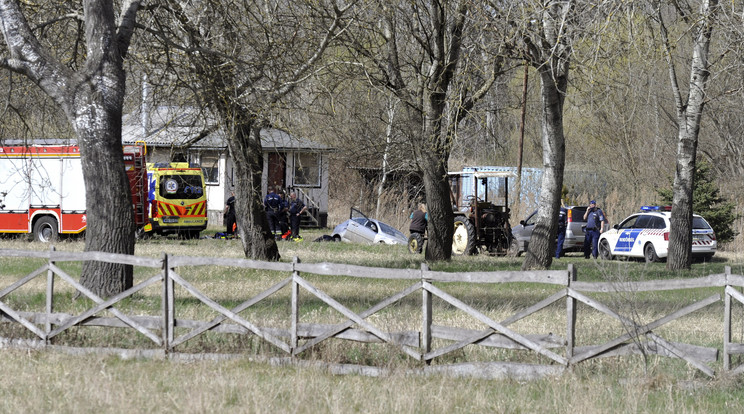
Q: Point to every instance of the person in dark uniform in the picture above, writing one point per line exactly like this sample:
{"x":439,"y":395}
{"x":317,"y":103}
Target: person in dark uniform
{"x":296,"y":208}
{"x":419,"y":220}
{"x":562,"y":223}
{"x":230,"y":214}
{"x":273,"y":205}
{"x":284,"y":216}
{"x":595,"y":225}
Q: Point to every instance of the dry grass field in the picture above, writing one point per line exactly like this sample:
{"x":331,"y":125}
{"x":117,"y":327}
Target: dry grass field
{"x":52,"y":381}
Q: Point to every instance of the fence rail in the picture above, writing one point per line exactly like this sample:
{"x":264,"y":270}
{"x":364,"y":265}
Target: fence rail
{"x":296,"y":337}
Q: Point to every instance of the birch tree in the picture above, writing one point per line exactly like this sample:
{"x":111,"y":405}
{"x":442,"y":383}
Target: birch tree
{"x":544,"y":34}
{"x":689,"y":106}
{"x":549,"y":51}
{"x":91,"y":96}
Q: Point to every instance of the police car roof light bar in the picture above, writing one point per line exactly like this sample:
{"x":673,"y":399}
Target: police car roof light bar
{"x":656,"y":208}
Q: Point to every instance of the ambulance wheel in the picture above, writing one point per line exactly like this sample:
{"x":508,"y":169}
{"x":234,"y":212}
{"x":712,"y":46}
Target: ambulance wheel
{"x":189,"y":234}
{"x":604,"y":250}
{"x":45,"y":230}
{"x":650,"y":253}
{"x":415,"y":243}
{"x":463,"y":238}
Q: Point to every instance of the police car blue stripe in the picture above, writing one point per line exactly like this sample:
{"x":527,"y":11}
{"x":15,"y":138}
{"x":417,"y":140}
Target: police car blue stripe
{"x":626,"y":240}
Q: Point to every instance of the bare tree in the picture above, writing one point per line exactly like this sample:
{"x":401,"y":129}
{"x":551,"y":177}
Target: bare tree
{"x":550,"y":52}
{"x":91,"y":96}
{"x":416,"y":50}
{"x":689,"y":111}
{"x":544,"y":33}
{"x":239,"y":59}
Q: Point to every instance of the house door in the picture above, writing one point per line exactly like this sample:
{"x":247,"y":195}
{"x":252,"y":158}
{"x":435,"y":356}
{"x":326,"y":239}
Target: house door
{"x":277,"y":169}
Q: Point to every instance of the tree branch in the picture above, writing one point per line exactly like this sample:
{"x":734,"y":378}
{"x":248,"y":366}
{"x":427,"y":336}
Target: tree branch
{"x":126,"y":25}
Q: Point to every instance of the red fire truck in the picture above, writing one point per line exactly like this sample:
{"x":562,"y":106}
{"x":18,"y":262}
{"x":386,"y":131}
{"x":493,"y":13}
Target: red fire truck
{"x":42,"y":190}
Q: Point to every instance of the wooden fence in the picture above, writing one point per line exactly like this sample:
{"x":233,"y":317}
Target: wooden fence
{"x":297,"y":338}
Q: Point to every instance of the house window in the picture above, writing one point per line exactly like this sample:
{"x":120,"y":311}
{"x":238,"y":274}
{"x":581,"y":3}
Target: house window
{"x":211,"y":168}
{"x":307,"y":169}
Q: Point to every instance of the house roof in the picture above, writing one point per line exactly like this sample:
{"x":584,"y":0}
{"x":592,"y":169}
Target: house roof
{"x":170,"y":126}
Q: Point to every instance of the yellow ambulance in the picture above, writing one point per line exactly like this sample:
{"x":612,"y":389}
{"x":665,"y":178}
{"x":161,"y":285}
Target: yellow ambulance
{"x":177,"y":200}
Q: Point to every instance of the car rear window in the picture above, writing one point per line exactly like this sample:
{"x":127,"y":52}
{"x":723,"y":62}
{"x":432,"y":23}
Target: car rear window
{"x":577,"y":213}
{"x":657,"y":223}
{"x":390,"y":230}
{"x":643,"y":222}
{"x":699,"y":223}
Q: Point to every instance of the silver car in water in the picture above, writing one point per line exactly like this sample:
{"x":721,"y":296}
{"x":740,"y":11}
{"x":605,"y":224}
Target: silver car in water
{"x":361,"y":229}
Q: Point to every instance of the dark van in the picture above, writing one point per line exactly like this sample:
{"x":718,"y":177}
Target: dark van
{"x":574,"y":241}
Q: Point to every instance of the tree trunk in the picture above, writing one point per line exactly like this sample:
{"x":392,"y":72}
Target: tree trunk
{"x":689,"y":116}
{"x":108,"y":196}
{"x":441,"y":216}
{"x":92,"y":99}
{"x":541,"y":248}
{"x":245,"y":148}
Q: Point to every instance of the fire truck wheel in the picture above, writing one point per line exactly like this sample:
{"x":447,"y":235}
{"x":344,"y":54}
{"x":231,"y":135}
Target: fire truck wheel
{"x":45,"y":230}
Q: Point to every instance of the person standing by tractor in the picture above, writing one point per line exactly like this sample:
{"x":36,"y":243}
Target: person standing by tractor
{"x":419,"y":221}
{"x":229,"y":215}
{"x":273,"y":205}
{"x":562,"y":223}
{"x":296,"y":208}
{"x":595,"y":225}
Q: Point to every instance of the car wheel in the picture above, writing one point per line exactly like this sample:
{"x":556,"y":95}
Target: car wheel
{"x":45,"y":230}
{"x":336,"y":238}
{"x":415,"y":243}
{"x":463,"y":238}
{"x":604,"y":250}
{"x":650,"y":253}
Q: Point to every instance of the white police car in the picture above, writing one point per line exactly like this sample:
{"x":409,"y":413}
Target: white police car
{"x":646,"y":234}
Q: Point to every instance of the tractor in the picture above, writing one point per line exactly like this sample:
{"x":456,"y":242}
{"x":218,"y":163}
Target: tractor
{"x":480,"y":200}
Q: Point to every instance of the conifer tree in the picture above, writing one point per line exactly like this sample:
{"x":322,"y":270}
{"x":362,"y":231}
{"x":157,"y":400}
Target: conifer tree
{"x":708,"y":202}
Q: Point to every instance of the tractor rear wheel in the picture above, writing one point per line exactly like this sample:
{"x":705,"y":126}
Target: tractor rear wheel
{"x":463,"y":238}
{"x":415,"y":243}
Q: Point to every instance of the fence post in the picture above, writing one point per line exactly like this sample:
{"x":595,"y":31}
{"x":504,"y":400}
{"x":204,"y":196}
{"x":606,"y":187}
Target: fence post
{"x":570,"y":315}
{"x":426,"y":314}
{"x":295,"y":307}
{"x":727,"y":323}
{"x":49,"y":297}
{"x":167,"y":305}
